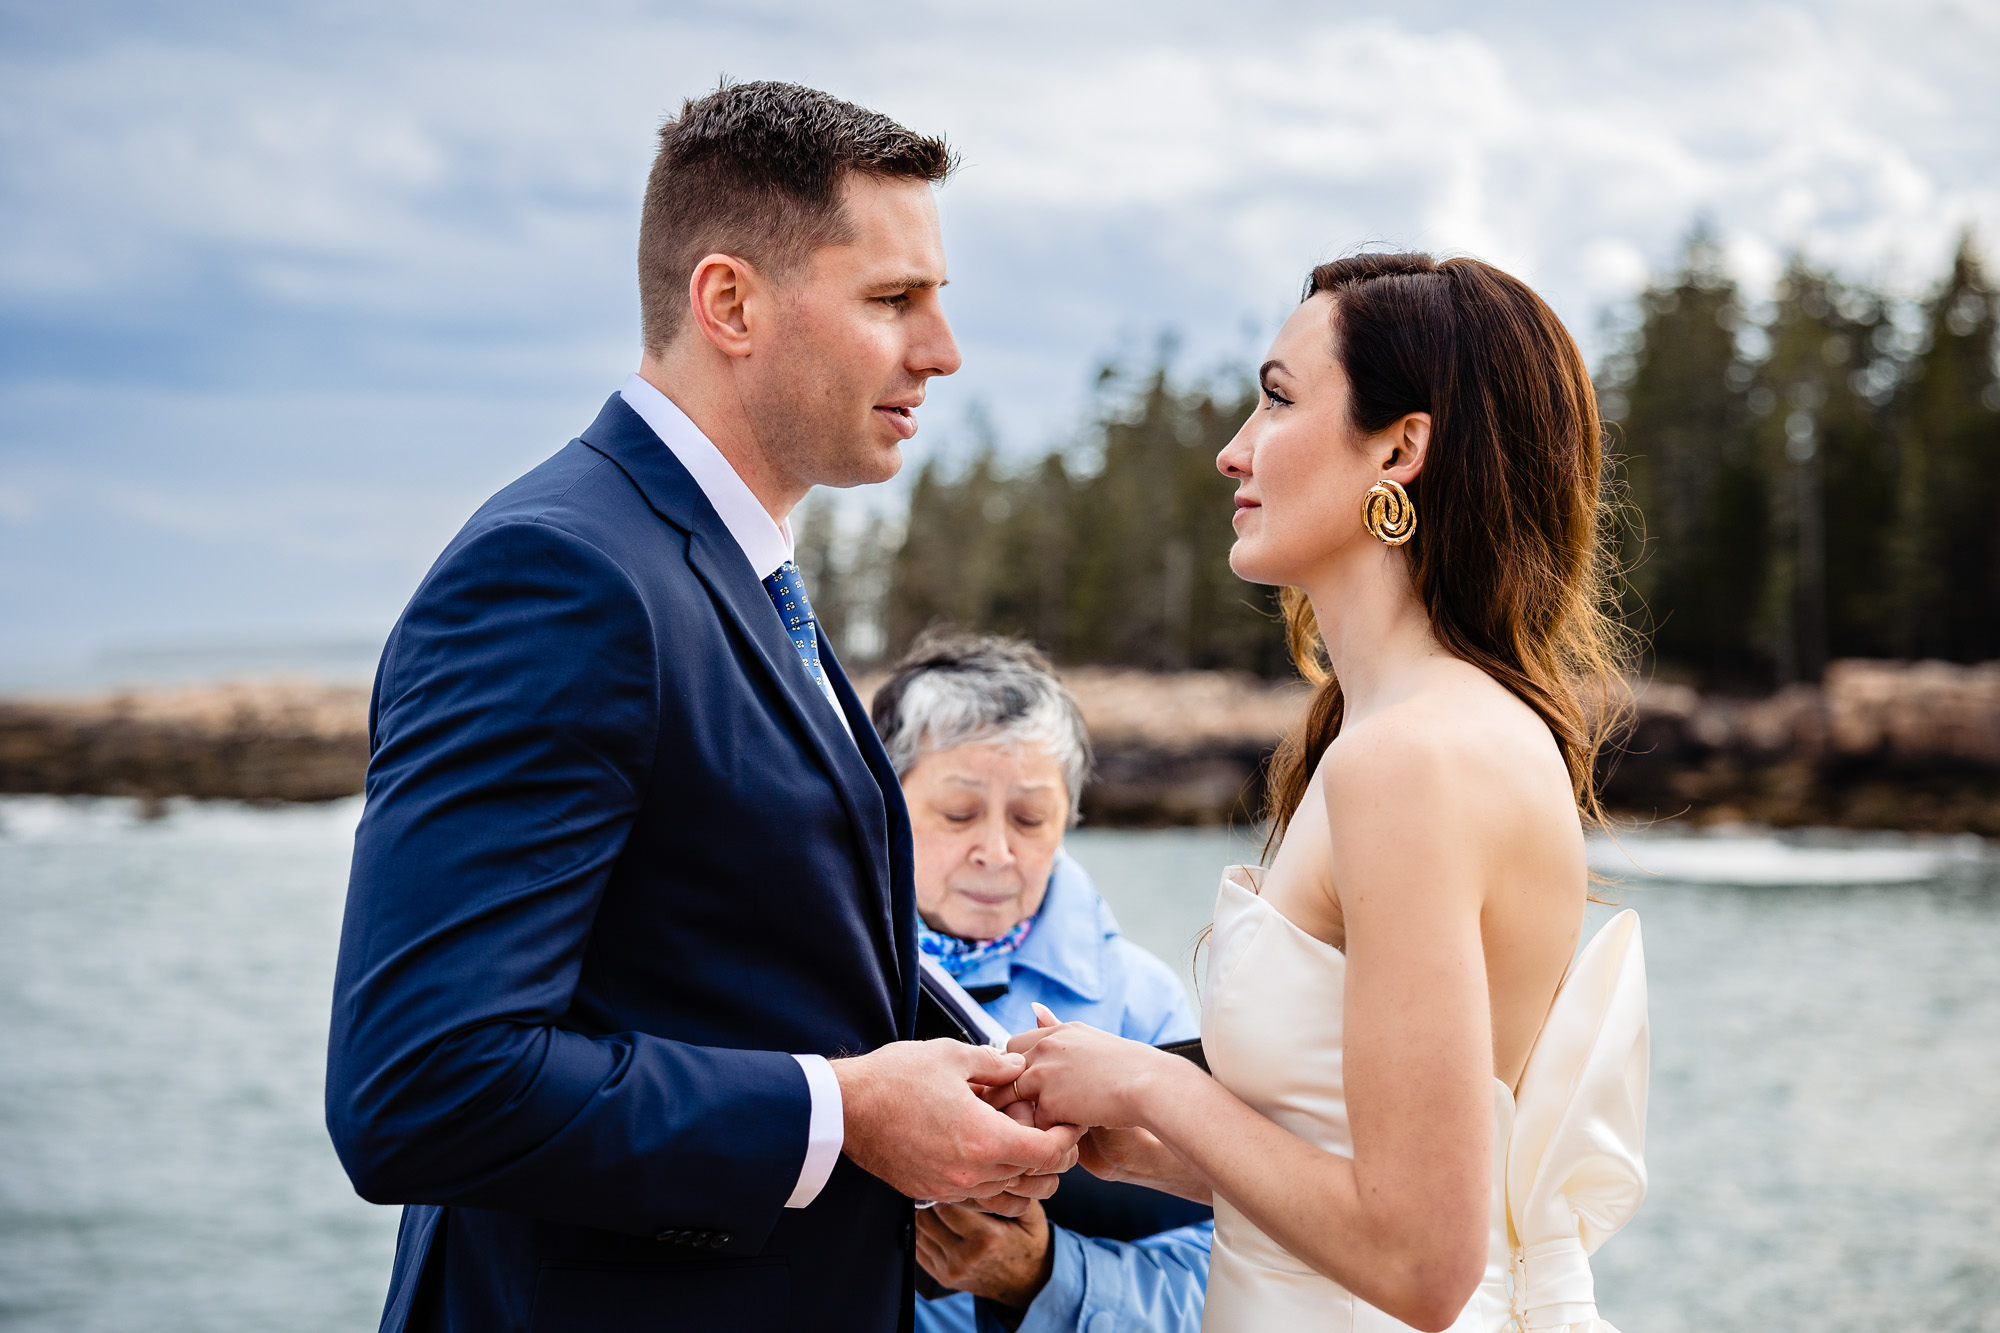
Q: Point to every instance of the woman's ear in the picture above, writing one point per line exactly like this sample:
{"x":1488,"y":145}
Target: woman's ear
{"x":1404,"y":446}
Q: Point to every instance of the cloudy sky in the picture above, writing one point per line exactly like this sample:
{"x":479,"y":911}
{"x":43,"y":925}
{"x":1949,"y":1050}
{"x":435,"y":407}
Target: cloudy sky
{"x":286,"y":290}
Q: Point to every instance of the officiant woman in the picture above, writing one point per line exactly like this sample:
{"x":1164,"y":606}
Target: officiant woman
{"x":993,"y":757}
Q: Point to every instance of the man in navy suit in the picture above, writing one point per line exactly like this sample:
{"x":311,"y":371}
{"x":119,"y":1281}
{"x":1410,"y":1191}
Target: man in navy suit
{"x":629,"y":962}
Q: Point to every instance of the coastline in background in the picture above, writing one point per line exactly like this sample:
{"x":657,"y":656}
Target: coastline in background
{"x":1877,"y":745}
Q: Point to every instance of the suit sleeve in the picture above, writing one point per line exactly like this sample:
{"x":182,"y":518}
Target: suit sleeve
{"x":517,"y":712}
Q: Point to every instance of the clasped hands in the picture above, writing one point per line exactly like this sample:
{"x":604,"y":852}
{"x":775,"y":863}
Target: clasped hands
{"x":1078,"y":1076}
{"x":953,"y":1122}
{"x":1062,"y":1074}
{"x":921,"y":1115}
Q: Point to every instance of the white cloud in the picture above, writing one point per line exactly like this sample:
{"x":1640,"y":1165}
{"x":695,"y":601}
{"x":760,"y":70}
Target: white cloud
{"x":442,"y":199}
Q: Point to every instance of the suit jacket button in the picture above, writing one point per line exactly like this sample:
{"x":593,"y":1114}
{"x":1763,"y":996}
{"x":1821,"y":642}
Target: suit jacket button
{"x":667,"y":1237}
{"x":718,"y":1240}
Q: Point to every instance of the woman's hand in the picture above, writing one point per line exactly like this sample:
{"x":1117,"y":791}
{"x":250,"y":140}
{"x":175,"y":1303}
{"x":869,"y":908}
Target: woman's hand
{"x":1137,"y":1157}
{"x":1080,"y":1075}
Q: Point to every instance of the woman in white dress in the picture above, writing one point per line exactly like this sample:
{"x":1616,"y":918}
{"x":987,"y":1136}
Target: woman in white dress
{"x":1423,"y":1113}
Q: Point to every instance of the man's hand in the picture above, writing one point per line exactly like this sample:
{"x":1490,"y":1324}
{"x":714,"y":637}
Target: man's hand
{"x":914,"y":1118}
{"x":1003,"y":1259}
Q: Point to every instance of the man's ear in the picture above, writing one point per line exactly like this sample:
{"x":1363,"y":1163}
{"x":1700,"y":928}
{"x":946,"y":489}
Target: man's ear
{"x":720,"y":291}
{"x":1404,"y":446}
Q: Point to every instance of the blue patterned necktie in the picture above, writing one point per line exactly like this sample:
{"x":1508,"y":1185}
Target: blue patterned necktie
{"x":788,"y":593}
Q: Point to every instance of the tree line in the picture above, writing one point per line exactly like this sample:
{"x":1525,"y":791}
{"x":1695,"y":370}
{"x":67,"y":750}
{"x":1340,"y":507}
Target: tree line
{"x":1114,"y":553}
{"x":1812,"y":477}
{"x":1820,"y":483}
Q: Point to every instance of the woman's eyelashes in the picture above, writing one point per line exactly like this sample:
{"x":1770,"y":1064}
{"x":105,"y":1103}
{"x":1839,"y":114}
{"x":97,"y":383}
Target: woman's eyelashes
{"x":1274,"y":398}
{"x":1026,"y":818}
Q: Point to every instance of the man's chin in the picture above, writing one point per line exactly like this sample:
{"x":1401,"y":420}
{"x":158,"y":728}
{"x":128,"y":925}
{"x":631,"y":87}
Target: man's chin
{"x":879,"y":464}
{"x":888,"y":463}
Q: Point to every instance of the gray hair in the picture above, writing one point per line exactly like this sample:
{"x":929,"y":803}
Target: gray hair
{"x":954,"y":689}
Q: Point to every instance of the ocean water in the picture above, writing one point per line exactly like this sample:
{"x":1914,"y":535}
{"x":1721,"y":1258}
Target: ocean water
{"x":1825,"y":1123}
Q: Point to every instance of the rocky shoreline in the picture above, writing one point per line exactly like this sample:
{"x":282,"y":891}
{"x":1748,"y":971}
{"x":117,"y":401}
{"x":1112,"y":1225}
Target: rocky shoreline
{"x":265,"y":741}
{"x":1877,"y":745}
{"x":1905,"y":745}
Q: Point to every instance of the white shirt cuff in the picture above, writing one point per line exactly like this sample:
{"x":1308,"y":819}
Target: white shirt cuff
{"x":826,"y":1131}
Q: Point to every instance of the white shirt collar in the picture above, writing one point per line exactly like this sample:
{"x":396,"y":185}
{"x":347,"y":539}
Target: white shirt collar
{"x":766,"y":543}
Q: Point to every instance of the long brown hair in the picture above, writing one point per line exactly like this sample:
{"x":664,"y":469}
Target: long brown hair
{"x":1510,"y":556}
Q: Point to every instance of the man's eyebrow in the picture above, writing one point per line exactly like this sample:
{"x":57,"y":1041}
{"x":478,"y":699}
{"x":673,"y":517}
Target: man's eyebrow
{"x":909,"y":284}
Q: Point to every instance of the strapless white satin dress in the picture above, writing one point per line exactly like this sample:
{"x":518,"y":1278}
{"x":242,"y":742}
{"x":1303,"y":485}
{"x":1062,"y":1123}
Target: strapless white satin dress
{"x":1569,"y":1167}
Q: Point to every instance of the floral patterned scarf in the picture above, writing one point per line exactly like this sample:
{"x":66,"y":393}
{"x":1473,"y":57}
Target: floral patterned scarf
{"x":961,"y":956}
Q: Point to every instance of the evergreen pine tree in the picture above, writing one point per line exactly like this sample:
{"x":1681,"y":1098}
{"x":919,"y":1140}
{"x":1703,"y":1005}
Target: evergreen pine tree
{"x":951,"y":561}
{"x":1949,"y":517}
{"x":1697,"y":545}
{"x":1830,"y":468}
{"x":1127,"y":565}
{"x":1152,"y":586}
{"x":813,"y":543}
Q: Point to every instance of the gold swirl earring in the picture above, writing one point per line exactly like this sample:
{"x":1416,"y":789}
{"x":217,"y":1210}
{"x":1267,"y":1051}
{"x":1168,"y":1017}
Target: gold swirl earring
{"x":1388,"y":512}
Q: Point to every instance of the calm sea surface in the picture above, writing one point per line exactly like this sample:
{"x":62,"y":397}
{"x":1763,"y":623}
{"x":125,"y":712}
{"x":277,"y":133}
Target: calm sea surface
{"x":1825,"y":1131}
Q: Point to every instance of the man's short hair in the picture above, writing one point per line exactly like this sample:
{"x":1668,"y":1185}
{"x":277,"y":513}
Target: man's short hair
{"x":754,"y":170}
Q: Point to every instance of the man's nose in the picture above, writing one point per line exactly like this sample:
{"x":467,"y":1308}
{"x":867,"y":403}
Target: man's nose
{"x":936,"y":353}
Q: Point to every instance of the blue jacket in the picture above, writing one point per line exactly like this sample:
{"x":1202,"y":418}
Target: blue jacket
{"x":619,"y":862}
{"x":1075,"y":962}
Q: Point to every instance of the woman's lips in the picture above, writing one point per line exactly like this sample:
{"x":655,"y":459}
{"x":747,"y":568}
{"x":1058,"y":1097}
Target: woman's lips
{"x":901,"y":420}
{"x":989,"y":897}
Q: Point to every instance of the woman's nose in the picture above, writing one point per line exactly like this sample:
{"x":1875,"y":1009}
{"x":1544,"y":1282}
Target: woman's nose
{"x":992,"y":849}
{"x":1234,"y":460}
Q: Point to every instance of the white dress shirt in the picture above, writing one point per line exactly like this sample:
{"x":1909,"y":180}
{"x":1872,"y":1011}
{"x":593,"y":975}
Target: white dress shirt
{"x":766,"y":544}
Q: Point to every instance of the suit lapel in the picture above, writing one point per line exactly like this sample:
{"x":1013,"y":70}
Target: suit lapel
{"x":902,"y":898}
{"x":719,"y":563}
{"x":622,"y":436}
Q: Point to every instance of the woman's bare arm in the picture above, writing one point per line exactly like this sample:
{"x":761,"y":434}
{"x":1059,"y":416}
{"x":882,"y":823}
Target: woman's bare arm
{"x":1137,"y":1157}
{"x":1403,"y":1224}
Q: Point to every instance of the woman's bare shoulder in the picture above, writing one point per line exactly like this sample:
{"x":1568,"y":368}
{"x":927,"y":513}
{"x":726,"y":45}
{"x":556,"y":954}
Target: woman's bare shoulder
{"x":1442,"y":734}
{"x":1466,"y":750}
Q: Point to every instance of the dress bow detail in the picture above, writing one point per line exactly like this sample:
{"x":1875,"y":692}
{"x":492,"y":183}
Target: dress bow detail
{"x":1575,"y":1168}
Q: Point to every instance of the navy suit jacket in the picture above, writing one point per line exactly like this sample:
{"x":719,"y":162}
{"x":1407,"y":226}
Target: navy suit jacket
{"x":619,"y":860}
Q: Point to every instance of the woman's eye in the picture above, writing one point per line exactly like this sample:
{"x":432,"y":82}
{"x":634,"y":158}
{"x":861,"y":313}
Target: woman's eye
{"x":961,"y":816}
{"x":1276,"y":399}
